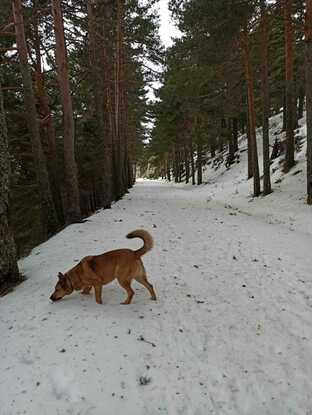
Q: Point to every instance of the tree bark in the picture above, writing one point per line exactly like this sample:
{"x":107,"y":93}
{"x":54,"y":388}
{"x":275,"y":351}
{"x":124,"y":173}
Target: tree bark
{"x":192,"y":163}
{"x":175,"y":165}
{"x":235,"y":134}
{"x":47,"y":127}
{"x":187,"y":165}
{"x":48,"y":213}
{"x":301,"y":102}
{"x":308,"y":68}
{"x":229,"y":134}
{"x":168,"y":171}
{"x":284,"y":112}
{"x":199,"y":163}
{"x":265,"y":99}
{"x":108,"y":74}
{"x":251,"y":113}
{"x":289,"y":81}
{"x":249,"y":151}
{"x":121,"y":144}
{"x":98,"y":68}
{"x":72,"y":198}
{"x":9,"y":274}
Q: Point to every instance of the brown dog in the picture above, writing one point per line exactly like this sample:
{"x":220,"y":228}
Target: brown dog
{"x":98,"y":270}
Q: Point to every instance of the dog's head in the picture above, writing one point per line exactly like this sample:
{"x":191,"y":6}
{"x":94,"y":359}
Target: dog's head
{"x":62,"y":288}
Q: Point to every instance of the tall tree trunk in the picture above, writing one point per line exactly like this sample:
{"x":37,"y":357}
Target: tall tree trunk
{"x":109,"y":99}
{"x":48,"y":213}
{"x":249,"y":151}
{"x":187,"y":165}
{"x":301,"y":102}
{"x":119,"y":101}
{"x":284,"y":112}
{"x":251,"y":112}
{"x":289,"y":79}
{"x":265,"y":99}
{"x":98,"y":93}
{"x":72,"y":202}
{"x":47,"y":126}
{"x":235,"y":134}
{"x":192,"y":163}
{"x":308,"y":68}
{"x":295,"y":108}
{"x":177,"y":162}
{"x":9,"y":273}
{"x":98,"y":68}
{"x":130,"y":175}
{"x":175,"y":165}
{"x":229,"y":134}
{"x":168,"y":172}
{"x":199,"y":163}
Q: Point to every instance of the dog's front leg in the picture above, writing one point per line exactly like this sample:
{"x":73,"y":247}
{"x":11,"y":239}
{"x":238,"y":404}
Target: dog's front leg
{"x":98,"y":294}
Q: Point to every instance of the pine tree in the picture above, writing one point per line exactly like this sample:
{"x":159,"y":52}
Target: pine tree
{"x":265,"y":98}
{"x":9,"y":274}
{"x":47,"y":126}
{"x":251,"y":111}
{"x":72,"y":198}
{"x":97,"y":52}
{"x":289,"y":82}
{"x":48,"y":212}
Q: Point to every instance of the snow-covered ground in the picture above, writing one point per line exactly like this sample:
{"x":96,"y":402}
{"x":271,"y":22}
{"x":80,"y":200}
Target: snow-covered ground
{"x":230,"y":333}
{"x":286,"y":205}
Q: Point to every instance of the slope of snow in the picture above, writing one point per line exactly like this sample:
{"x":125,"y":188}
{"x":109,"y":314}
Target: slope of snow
{"x":230,"y":333}
{"x":286,"y":205}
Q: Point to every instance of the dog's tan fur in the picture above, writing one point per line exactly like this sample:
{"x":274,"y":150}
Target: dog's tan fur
{"x":96,"y":271}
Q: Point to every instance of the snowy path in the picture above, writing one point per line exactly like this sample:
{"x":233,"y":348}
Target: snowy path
{"x":232,"y":326}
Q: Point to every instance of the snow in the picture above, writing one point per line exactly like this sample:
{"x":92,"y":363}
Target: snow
{"x":286,"y":205}
{"x":230,"y":333}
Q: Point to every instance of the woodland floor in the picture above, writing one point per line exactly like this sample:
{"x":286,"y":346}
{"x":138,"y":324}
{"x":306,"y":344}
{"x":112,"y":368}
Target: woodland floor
{"x":231,"y":329}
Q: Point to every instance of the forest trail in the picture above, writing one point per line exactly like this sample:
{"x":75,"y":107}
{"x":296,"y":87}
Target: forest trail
{"x":230,"y":333}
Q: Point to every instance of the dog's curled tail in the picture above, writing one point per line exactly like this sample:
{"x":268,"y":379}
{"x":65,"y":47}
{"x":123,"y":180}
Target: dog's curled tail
{"x":147,"y":238}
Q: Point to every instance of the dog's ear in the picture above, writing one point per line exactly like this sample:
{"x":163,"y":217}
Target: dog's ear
{"x":62,"y":280}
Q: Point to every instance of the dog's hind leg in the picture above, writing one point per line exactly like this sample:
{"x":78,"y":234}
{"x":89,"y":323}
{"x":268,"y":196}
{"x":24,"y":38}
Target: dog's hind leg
{"x":86,"y":290}
{"x":127,"y":286}
{"x":143,"y":280}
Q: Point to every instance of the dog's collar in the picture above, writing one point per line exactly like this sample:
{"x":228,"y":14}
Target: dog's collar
{"x":70,"y":283}
{"x":74,"y":287}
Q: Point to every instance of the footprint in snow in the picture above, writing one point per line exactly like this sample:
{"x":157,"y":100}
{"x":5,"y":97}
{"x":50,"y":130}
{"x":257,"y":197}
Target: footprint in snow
{"x":63,"y":386}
